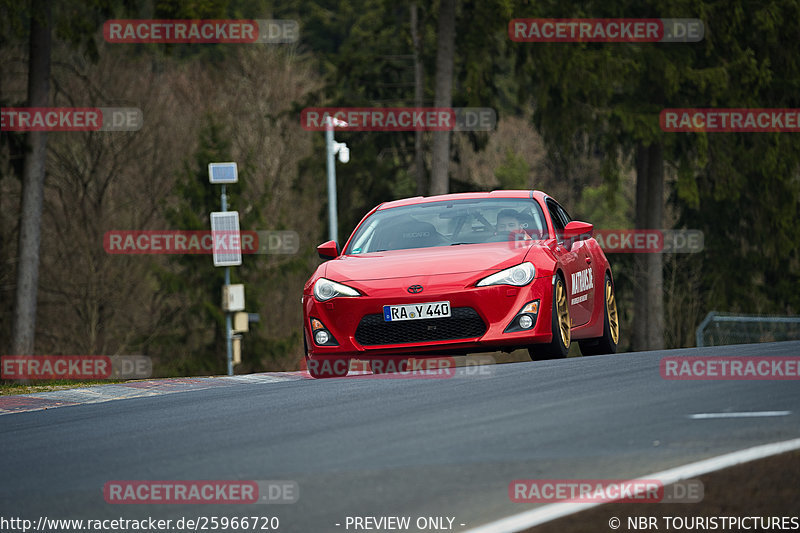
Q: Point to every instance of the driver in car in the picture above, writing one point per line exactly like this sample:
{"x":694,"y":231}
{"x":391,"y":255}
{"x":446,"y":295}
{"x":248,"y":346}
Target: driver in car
{"x":509,"y":223}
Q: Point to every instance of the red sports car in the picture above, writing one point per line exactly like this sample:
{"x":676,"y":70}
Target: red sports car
{"x":457,"y":274}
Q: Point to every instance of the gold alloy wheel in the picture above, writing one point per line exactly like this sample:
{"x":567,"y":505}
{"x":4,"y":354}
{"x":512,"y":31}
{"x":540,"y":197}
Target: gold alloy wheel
{"x":611,"y":307}
{"x":563,"y":312}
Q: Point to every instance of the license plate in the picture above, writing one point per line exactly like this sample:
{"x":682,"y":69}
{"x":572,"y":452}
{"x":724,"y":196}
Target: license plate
{"x":395,"y":313}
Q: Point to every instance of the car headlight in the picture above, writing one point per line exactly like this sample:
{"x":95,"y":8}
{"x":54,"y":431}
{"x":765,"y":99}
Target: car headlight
{"x":325,"y":289}
{"x":518,"y":275}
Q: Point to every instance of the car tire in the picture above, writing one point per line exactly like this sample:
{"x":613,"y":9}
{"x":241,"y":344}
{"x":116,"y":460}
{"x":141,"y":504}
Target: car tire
{"x":560,"y":326}
{"x":607,"y":344}
{"x":325,"y":366}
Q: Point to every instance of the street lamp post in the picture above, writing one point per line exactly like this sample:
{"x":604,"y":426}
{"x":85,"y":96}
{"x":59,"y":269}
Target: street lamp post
{"x":331,"y":148}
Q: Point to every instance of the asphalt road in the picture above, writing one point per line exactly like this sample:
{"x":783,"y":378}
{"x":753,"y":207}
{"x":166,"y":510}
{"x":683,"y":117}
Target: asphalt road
{"x":391,"y":447}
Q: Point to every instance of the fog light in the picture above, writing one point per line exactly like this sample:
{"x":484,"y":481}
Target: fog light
{"x":525,"y":319}
{"x":321,"y":337}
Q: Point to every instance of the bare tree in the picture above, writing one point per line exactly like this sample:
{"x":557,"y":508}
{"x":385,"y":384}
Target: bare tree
{"x":33,"y":183}
{"x":648,"y":298}
{"x":445,"y":52}
{"x":419,"y":90}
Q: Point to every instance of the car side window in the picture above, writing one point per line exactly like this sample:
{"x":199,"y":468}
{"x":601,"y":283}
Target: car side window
{"x":566,"y":219}
{"x":558,"y":221}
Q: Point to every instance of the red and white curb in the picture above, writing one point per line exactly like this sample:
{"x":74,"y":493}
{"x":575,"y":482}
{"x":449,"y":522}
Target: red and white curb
{"x":39,"y":401}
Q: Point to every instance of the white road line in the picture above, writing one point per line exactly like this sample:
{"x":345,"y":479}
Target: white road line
{"x":744,"y":414}
{"x":544,"y":514}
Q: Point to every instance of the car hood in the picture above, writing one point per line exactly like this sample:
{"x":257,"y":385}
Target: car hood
{"x":425,"y":261}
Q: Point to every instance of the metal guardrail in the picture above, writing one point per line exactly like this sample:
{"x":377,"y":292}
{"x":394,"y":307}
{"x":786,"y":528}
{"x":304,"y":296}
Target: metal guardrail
{"x":715,"y":319}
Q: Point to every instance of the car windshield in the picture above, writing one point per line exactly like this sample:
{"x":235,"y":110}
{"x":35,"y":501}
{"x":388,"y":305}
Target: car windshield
{"x":449,"y":223}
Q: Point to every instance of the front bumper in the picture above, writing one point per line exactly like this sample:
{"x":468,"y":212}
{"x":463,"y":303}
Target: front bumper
{"x":479,"y":318}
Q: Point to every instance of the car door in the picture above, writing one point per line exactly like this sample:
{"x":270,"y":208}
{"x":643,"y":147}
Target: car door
{"x":576,"y":261}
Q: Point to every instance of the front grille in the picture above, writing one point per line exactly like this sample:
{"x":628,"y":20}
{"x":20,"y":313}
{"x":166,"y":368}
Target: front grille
{"x":464,"y":323}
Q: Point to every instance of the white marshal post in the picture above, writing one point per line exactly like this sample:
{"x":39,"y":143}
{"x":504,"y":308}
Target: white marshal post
{"x":226,"y":240}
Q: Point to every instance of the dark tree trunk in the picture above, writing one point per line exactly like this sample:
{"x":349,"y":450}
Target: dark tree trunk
{"x":640,"y":310}
{"x":655,"y":261}
{"x":445,"y":50}
{"x":32,"y":184}
{"x":648,"y":273}
{"x":419,"y":93}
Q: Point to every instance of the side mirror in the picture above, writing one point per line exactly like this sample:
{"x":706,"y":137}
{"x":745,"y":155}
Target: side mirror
{"x":328,"y":250}
{"x":576,"y":231}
